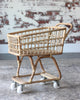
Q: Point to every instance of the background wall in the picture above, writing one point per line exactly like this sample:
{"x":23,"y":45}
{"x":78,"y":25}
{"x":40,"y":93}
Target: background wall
{"x":18,"y":15}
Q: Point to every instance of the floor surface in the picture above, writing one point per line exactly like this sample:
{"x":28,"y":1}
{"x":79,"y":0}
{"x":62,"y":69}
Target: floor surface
{"x":69,"y":84}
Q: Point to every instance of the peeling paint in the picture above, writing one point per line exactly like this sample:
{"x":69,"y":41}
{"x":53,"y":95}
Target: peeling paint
{"x":18,"y":15}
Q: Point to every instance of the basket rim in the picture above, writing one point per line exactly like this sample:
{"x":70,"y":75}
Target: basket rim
{"x":53,"y":28}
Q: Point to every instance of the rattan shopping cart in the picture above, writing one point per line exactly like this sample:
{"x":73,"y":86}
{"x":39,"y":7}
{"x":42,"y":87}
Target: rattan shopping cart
{"x":41,"y":42}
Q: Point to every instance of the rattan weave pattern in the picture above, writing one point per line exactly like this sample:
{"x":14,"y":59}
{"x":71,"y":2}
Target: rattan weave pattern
{"x":39,"y":41}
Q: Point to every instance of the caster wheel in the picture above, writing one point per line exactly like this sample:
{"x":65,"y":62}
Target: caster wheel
{"x":43,"y":78}
{"x":13,"y":86}
{"x":56,"y":84}
{"x":20,"y":89}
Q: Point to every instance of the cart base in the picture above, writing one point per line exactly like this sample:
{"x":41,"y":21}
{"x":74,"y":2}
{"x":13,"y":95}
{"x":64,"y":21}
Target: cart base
{"x":48,"y":77}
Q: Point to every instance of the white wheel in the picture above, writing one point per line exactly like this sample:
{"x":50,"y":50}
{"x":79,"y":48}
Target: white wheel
{"x":43,"y":78}
{"x":13,"y":86}
{"x":20,"y":89}
{"x":56,"y":84}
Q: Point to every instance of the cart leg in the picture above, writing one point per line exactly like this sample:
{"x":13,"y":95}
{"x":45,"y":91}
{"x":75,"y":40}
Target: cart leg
{"x":33,"y":68}
{"x":14,"y":84}
{"x":55,"y":62}
{"x":19,"y":64}
{"x":41,"y":65}
{"x":42,"y":78}
{"x":56,"y":82}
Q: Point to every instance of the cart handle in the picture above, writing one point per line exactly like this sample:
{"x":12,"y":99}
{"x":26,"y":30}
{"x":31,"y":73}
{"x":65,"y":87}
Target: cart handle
{"x":67,"y":24}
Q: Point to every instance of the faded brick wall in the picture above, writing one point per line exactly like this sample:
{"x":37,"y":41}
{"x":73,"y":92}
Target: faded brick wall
{"x":24,"y":14}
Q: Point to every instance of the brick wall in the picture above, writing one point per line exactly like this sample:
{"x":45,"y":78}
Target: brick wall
{"x":24,"y":14}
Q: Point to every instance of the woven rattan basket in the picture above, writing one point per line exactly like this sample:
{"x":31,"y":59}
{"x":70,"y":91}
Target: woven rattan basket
{"x":39,"y":41}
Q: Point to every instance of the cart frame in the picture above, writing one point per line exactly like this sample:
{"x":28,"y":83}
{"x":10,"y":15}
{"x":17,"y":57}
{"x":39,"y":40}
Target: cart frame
{"x":16,"y":39}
